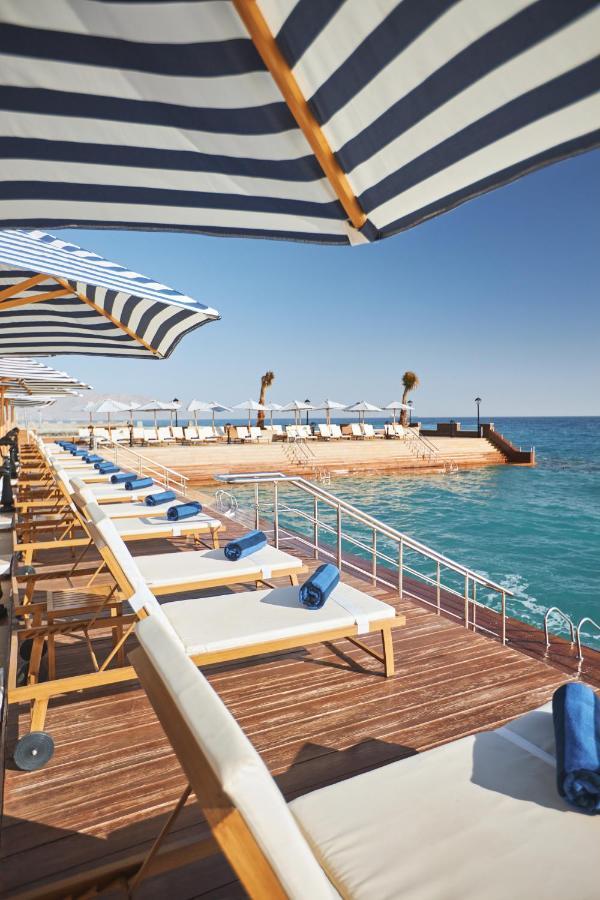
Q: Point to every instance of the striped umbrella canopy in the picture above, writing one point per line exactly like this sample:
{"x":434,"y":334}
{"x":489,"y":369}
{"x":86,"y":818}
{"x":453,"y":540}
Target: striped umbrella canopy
{"x":56,"y":297}
{"x":338,"y":122}
{"x":28,"y":376}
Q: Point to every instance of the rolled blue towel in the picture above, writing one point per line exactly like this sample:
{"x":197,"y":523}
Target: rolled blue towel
{"x":576,"y":715}
{"x":136,"y":483}
{"x":316,"y":589}
{"x":245,"y":545}
{"x":108,"y":469}
{"x":122,"y":477}
{"x":79,"y":452}
{"x":101,"y":462}
{"x":161,"y":497}
{"x":184,"y":510}
{"x":92,"y":458}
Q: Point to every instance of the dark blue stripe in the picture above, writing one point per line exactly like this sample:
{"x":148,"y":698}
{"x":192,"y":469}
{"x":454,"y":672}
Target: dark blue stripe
{"x":305,"y":168}
{"x":495,"y":48}
{"x":497,"y":179}
{"x":164,"y":329}
{"x":269,"y":119}
{"x":306,"y":237}
{"x":542,"y":101}
{"x":201,"y":60}
{"x":303,"y":25}
{"x":385,"y":43}
{"x":97,"y":193}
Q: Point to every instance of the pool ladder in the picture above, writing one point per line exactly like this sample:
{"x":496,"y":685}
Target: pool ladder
{"x":575,"y":630}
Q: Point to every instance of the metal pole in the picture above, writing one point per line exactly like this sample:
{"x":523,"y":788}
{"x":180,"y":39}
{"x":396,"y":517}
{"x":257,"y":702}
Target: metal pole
{"x":316,"y":527}
{"x":256,"y":515}
{"x":339,"y":538}
{"x":503,"y":617}
{"x":275,"y":514}
{"x":438,"y":596}
{"x":474,"y":606}
{"x":401,"y":569}
{"x":374,"y":558}
{"x":466,"y":601}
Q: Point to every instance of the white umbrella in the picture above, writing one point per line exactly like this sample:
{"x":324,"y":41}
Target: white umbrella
{"x":217,"y":408}
{"x":328,"y":405}
{"x":395,"y":405}
{"x":196,"y":406}
{"x":157,"y":406}
{"x":90,"y":409}
{"x":274,"y":407}
{"x":361,"y":407}
{"x":109,"y":406}
{"x":251,"y":406}
{"x":297,"y":406}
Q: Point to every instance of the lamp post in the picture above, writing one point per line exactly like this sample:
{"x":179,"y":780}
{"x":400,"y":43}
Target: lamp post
{"x":306,"y":400}
{"x":478,"y":401}
{"x":409,"y":403}
{"x":175,"y":400}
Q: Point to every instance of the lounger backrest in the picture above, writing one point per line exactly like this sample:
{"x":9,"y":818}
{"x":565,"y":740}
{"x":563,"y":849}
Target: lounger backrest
{"x":121,"y":563}
{"x":242,"y":431}
{"x":219,"y":430}
{"x":83,"y":433}
{"x":336,"y":431}
{"x":355,"y":429}
{"x":164,"y":433}
{"x":399,"y":429}
{"x":277,"y":429}
{"x":227,"y":774}
{"x":138,"y":433}
{"x":368,"y":430}
{"x":150,"y":434}
{"x":191,"y":432}
{"x":177,"y":432}
{"x":255,"y":431}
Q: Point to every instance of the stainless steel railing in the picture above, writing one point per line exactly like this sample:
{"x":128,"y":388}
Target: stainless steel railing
{"x":129,"y":458}
{"x":396,"y":568}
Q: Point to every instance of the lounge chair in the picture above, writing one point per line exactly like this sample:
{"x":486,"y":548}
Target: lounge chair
{"x":479,"y":817}
{"x":150,"y":435}
{"x":242,"y":433}
{"x":83,"y":434}
{"x":177,"y":432}
{"x":164,"y":435}
{"x":368,"y":430}
{"x":324,"y":432}
{"x":107,"y":492}
{"x":336,"y":432}
{"x":292,"y":432}
{"x":356,"y":431}
{"x":191,"y":433}
{"x":138,"y":435}
{"x":120,"y":435}
{"x":206,"y":433}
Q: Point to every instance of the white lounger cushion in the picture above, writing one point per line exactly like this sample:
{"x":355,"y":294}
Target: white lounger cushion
{"x":220,"y":622}
{"x":477,"y":818}
{"x":141,"y":525}
{"x":236,"y":764}
{"x":109,"y":491}
{"x":180,"y":568}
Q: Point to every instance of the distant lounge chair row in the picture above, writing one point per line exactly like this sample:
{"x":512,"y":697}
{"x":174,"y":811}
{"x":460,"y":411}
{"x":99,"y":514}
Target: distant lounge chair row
{"x":396,"y":430}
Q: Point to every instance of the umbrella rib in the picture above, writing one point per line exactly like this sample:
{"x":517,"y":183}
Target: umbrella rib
{"x":22,"y":286}
{"x":37,"y":298}
{"x":107,"y":315}
{"x":271,"y":55}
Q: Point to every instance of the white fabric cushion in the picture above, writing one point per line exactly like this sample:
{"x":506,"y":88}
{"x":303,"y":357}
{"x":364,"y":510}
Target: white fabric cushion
{"x":114,"y":490}
{"x":224,"y":621}
{"x":479,"y":817}
{"x":237,"y":766}
{"x":180,"y":568}
{"x":160,"y":525}
{"x":132,"y":510}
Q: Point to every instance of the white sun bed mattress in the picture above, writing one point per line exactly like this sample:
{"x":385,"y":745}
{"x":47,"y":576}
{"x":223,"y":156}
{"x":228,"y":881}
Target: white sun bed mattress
{"x":164,"y":569}
{"x":224,"y":621}
{"x":142,"y":525}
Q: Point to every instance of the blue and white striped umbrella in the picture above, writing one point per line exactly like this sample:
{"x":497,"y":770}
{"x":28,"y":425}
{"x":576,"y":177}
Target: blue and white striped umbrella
{"x":57,"y":298}
{"x":323,"y":121}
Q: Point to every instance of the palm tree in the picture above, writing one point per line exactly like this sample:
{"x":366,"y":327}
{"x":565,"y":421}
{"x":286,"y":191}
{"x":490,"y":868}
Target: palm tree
{"x":265,"y":382}
{"x":410,"y":381}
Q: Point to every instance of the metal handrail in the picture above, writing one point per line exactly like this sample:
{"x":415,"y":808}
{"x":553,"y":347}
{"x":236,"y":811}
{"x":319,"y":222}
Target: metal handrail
{"x":146,"y":465}
{"x":403,"y":542}
{"x":581,"y":622}
{"x":557,"y":611}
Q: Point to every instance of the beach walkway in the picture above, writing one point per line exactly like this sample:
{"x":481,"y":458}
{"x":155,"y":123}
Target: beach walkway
{"x":200,"y":463}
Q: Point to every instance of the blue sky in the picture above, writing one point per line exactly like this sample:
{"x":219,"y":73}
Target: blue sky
{"x":499,"y":297}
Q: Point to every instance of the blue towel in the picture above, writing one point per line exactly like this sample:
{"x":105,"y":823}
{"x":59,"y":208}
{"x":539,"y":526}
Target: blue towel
{"x":101,"y":462}
{"x":245,"y":545}
{"x":122,"y":477}
{"x":316,"y":589}
{"x":183,"y":510}
{"x":108,"y":469}
{"x":161,"y":497}
{"x":576,"y":714}
{"x":79,"y":452}
{"x":136,"y":483}
{"x":92,"y":458}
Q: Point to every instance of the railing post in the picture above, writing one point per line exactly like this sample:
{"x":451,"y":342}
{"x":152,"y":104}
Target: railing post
{"x":466,"y":601}
{"x":276,"y":514}
{"x":256,"y":513}
{"x":474,"y":606}
{"x":438,"y":592}
{"x":503,"y":617}
{"x":316,"y":527}
{"x":374,"y":558}
{"x":401,"y":569}
{"x":339,"y":538}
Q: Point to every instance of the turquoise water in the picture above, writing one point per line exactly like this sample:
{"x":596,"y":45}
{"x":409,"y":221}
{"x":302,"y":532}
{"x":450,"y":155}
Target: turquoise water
{"x":535,"y":530}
